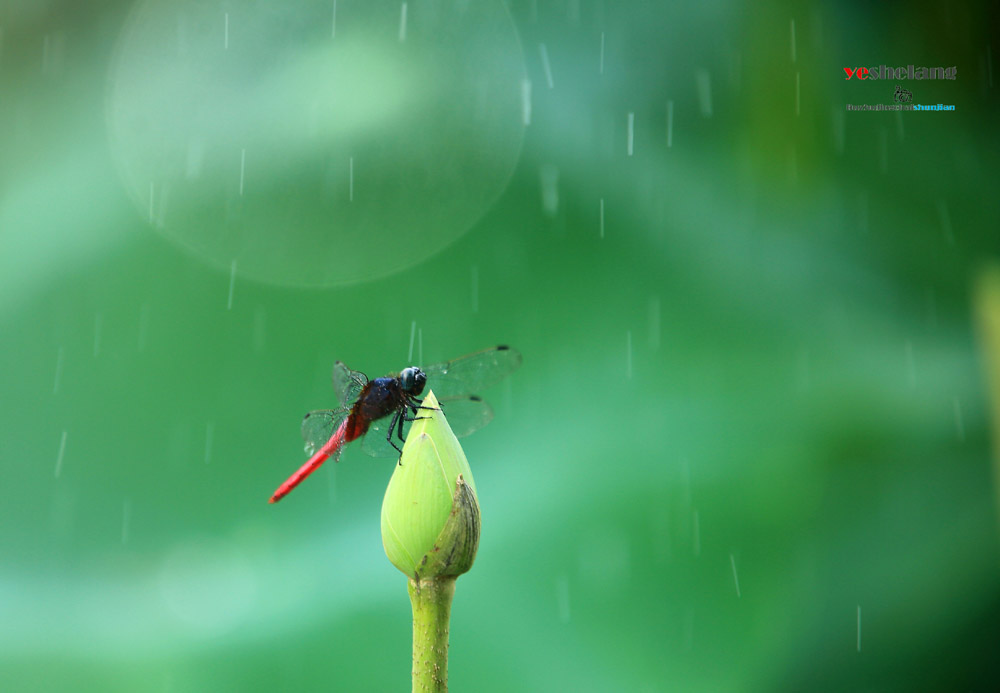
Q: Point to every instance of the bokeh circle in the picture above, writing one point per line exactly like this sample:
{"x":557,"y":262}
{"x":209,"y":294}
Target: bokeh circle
{"x":316,"y":143}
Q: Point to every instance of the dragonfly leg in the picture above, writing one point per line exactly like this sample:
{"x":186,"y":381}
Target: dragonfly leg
{"x":389,"y":437}
{"x":414,"y":404}
{"x":392,"y":427}
{"x":415,"y":409}
{"x":403,"y":417}
{"x":401,"y":414}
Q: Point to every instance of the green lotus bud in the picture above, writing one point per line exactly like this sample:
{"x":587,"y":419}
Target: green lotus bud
{"x":430,"y":513}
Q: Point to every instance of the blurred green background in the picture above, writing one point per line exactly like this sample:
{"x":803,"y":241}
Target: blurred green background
{"x":748,"y":449}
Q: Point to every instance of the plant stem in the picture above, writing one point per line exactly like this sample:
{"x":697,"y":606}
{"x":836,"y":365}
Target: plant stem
{"x":431,"y":600}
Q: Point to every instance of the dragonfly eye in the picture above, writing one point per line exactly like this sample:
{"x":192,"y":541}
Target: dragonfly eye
{"x":419,"y":380}
{"x":412,"y":379}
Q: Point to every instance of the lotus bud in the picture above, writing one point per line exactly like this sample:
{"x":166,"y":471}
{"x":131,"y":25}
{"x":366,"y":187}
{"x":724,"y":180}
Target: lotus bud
{"x":430,"y":513}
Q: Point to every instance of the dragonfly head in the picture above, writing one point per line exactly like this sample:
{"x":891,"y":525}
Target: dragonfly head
{"x":413,"y":380}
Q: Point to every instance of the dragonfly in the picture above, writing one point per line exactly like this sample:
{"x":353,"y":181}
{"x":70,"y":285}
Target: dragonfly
{"x":379,"y":410}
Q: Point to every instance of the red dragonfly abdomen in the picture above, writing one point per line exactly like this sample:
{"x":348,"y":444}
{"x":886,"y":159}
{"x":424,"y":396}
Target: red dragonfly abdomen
{"x":355,"y":426}
{"x":330,"y":449}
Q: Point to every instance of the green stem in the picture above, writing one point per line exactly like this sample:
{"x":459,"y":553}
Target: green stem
{"x":431,"y":600}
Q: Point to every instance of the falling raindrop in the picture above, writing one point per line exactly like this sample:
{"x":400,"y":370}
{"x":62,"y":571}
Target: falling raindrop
{"x":838,"y":130}
{"x":703,"y":82}
{"x":126,"y":519}
{"x":883,"y":151}
{"x":670,"y":124}
{"x":628,"y":354}
{"x":225,"y":40}
{"x":736,"y":578}
{"x":797,"y":93}
{"x":601,"y":68}
{"x":243,"y":165}
{"x":911,"y":367}
{"x":959,"y":423}
{"x":631,"y":132}
{"x":688,"y":628}
{"x":546,"y":65}
{"x":859,"y":628}
{"x":663,"y":539}
{"x":60,"y":357}
{"x":420,"y":345}
{"x":413,"y":334}
{"x":696,"y":533}
{"x":526,"y":101}
{"x":350,"y":179}
{"x":817,"y":27}
{"x":232,"y":285}
{"x":402,"y":23}
{"x":945,"y":218}
{"x":573,"y":12}
{"x":98,"y":320}
{"x":209,"y":436}
{"x":602,"y":218}
{"x":62,"y":451}
{"x":475,"y":289}
{"x":53,"y":53}
{"x":333,"y":27}
{"x":550,"y":189}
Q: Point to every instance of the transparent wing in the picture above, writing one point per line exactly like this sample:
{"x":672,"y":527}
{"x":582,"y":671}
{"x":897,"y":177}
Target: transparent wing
{"x":465,"y":415}
{"x":347,"y":384}
{"x":375,"y":442}
{"x":319,"y":425}
{"x":469,"y":374}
